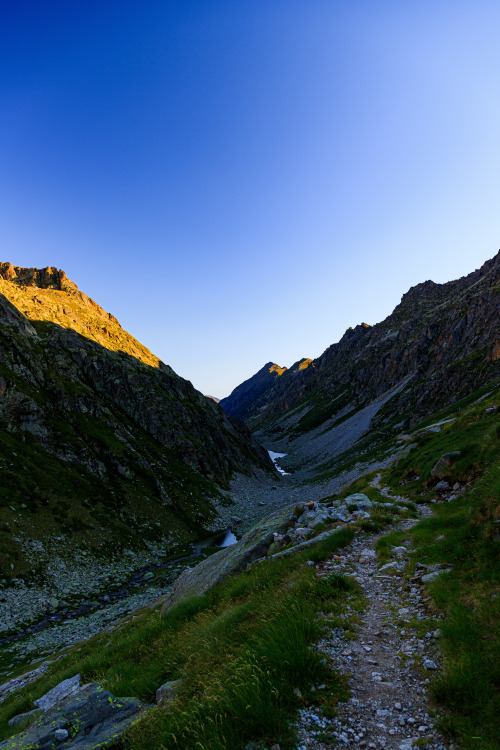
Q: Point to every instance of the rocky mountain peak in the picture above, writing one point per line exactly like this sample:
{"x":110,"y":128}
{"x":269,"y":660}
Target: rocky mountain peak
{"x":46,"y":295}
{"x":43,"y":278}
{"x":430,"y":292}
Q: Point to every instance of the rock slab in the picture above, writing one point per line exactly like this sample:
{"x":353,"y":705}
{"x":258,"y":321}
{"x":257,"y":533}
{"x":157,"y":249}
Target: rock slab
{"x":92,"y":718}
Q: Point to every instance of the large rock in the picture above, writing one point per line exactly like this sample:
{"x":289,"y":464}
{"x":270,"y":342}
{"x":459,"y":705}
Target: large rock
{"x":444,"y":463}
{"x":196,"y":581}
{"x":362,"y":501}
{"x":92,"y":718}
{"x":57,"y":694}
{"x":168,"y":692}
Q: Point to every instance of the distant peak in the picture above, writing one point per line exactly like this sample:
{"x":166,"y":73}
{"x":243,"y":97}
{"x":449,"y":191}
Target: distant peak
{"x":43,"y":278}
{"x":272,"y":367}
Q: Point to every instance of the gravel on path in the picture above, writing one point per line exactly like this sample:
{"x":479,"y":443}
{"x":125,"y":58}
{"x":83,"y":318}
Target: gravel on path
{"x":388,"y":667}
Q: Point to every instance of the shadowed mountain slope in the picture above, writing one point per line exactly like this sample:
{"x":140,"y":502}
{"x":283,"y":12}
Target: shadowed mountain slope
{"x":102,"y":445}
{"x":440,"y":343}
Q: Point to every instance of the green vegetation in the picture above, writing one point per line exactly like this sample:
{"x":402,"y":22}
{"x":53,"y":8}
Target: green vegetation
{"x":241,"y":650}
{"x":463,"y":534}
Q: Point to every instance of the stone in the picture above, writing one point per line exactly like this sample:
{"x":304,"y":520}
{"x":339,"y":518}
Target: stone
{"x":442,"y":486}
{"x":368,"y":553}
{"x":389,"y":566}
{"x":443,"y":464}
{"x":61,"y":735}
{"x":428,"y":577}
{"x":168,"y":692}
{"x":362,"y":501}
{"x":97,"y":720}
{"x":429,"y":664}
{"x":57,"y":694}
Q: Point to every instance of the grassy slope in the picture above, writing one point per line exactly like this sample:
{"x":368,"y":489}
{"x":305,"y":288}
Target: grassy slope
{"x":241,"y":650}
{"x":74,"y":310}
{"x":464,"y":534}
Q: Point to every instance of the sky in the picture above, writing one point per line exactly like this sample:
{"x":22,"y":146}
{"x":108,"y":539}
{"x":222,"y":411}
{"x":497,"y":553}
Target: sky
{"x":240,"y":182}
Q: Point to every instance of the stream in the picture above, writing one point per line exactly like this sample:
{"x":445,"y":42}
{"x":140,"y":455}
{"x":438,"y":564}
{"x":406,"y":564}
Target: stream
{"x":104,"y":609}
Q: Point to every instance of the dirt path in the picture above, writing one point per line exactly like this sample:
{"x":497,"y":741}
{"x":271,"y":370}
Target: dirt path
{"x":389,"y":665}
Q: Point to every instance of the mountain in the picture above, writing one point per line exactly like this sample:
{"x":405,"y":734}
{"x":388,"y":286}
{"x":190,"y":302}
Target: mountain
{"x":384,"y":514}
{"x":240,"y":403}
{"x":439,"y":344}
{"x":103,"y":447}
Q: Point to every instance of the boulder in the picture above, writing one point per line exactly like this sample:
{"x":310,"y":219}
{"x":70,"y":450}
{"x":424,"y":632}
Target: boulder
{"x":428,"y":577}
{"x":89,"y":719}
{"x":362,"y":501}
{"x":443,"y":464}
{"x":168,"y":692}
{"x":61,"y":691}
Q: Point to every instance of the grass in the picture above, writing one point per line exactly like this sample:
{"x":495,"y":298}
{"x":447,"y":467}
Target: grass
{"x":241,"y":651}
{"x":464,"y":535}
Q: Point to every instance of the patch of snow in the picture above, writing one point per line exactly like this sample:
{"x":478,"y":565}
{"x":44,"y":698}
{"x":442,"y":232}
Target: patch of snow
{"x":274,"y":457}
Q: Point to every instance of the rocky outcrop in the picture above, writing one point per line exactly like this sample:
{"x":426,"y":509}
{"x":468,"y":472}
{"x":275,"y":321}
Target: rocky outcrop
{"x":254,"y":544}
{"x":289,"y":529}
{"x":87,"y":718}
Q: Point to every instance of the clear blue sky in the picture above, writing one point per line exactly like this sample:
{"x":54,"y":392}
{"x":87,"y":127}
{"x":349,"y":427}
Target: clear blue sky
{"x":239,"y":182}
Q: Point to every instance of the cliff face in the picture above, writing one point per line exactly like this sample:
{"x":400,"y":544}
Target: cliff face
{"x":101,"y":443}
{"x":440,"y":343}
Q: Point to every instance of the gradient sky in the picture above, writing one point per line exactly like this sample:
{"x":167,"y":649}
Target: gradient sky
{"x":239,"y":182}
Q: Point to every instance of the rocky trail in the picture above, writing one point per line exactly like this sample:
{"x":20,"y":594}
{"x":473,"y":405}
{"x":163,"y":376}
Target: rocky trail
{"x":390,"y":663}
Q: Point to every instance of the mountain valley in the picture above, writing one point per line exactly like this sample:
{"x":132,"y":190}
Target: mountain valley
{"x":359,"y":605}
